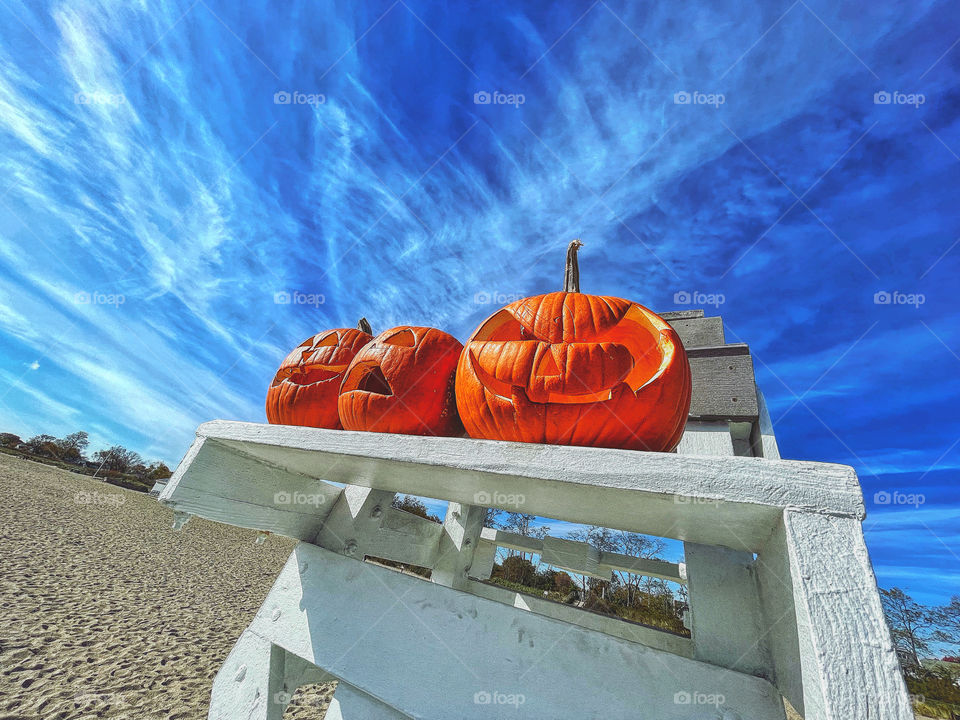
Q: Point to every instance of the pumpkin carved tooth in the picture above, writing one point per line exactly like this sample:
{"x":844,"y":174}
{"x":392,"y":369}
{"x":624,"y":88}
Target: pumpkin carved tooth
{"x":575,"y":369}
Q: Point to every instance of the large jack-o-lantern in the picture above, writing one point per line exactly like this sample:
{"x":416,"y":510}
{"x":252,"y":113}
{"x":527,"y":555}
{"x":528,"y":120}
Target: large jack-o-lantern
{"x":573,"y":369}
{"x":403,"y":382}
{"x":304,"y":391}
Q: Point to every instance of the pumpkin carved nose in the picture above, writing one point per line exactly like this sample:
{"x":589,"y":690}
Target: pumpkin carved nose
{"x":549,"y":371}
{"x":366,"y":377}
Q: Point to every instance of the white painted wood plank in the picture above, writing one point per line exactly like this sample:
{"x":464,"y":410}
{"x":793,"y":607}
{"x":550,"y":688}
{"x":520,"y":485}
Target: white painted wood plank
{"x":362,"y":523}
{"x":484,"y":558}
{"x":572,"y":556}
{"x":348,"y":703}
{"x":457,"y":542}
{"x":848,"y":663}
{"x":725,"y":617}
{"x":768,"y":439}
{"x":560,"y":670}
{"x":218,"y":483}
{"x":775,"y":584}
{"x":706,"y":438}
{"x":634,"y":632}
{"x":735,"y":503}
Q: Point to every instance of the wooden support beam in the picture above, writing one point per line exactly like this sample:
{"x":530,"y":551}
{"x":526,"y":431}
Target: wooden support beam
{"x":457,"y":543}
{"x":583,"y":559}
{"x":362,"y":523}
{"x":736,"y":503}
{"x":401,"y":633}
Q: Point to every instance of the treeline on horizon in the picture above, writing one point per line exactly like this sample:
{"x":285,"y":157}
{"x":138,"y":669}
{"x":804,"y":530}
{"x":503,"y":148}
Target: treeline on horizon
{"x":637,"y":598}
{"x":115,"y":464}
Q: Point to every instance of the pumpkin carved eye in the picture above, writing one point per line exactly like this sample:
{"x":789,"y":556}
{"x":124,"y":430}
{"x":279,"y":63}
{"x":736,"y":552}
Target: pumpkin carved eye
{"x":402,"y":338}
{"x":368,"y":377}
{"x":503,"y":326}
{"x":328,"y":340}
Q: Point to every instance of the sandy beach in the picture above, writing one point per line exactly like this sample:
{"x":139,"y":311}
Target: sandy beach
{"x":105,"y":612}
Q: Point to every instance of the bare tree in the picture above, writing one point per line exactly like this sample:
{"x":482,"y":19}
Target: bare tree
{"x":911,"y":624}
{"x":947,"y":620}
{"x":117,"y":459}
{"x":522,"y":524}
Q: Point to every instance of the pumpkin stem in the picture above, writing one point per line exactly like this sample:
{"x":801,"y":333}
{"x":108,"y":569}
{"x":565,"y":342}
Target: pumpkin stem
{"x":571,"y":278}
{"x":364,"y":326}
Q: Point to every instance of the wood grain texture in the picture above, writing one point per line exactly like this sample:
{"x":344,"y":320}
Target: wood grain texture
{"x":723,"y":384}
{"x":698,"y":331}
{"x":848,"y":663}
{"x":671,"y":315}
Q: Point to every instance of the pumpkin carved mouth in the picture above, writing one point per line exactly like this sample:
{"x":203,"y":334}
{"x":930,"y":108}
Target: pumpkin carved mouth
{"x":507,"y":390}
{"x":510,"y":359}
{"x":366,"y":377}
{"x":309,"y":374}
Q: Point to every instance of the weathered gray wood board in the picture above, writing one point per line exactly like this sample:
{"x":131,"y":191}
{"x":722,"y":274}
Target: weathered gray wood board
{"x":699,"y":331}
{"x":723,"y":384}
{"x":671,"y":315}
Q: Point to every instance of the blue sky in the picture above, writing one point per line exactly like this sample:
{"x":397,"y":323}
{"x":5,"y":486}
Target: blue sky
{"x":155,"y":199}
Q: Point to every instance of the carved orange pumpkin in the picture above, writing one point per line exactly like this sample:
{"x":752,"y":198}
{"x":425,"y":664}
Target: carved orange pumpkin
{"x":403,"y":382}
{"x":304,"y":390}
{"x":573,"y":369}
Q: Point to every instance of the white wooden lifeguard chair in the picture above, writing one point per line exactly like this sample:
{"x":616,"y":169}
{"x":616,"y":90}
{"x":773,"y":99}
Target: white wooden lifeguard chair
{"x":783,"y":600}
